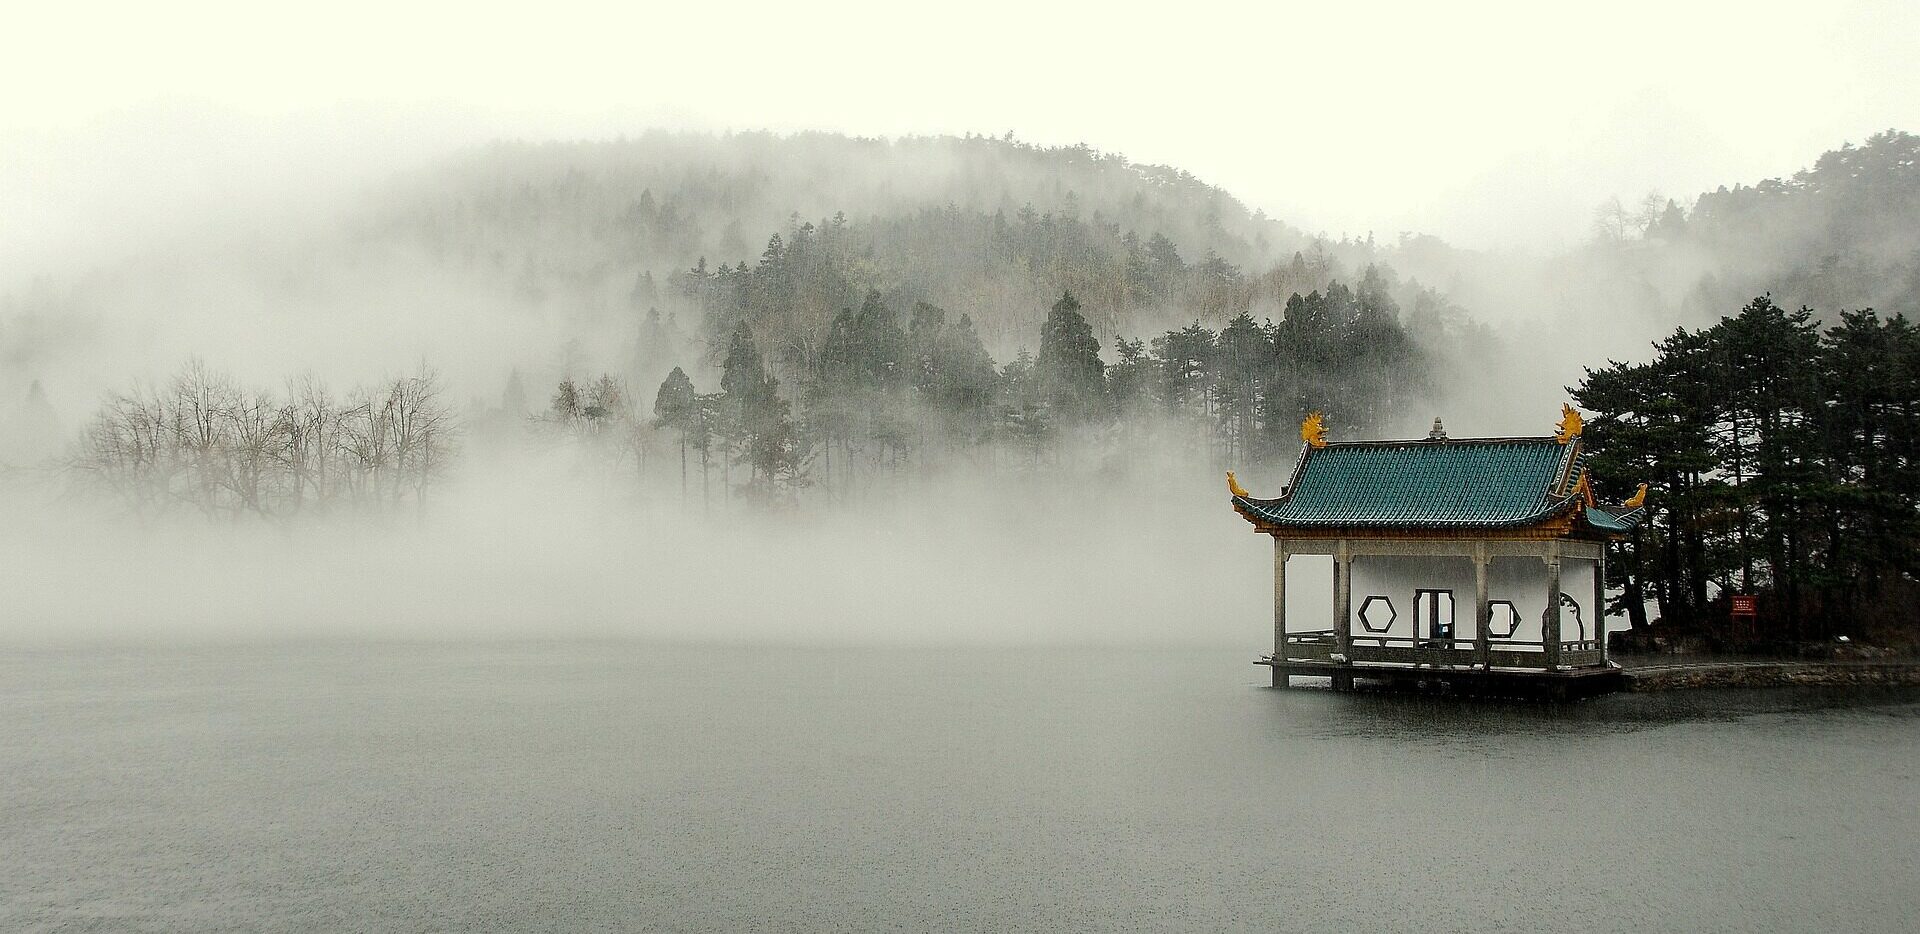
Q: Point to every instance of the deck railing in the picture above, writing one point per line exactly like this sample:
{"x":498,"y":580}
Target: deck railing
{"x":1368,"y":648}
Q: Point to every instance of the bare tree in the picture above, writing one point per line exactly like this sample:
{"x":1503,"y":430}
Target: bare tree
{"x":314,"y":432}
{"x":127,"y":449}
{"x":1611,"y":221}
{"x":206,"y":444}
{"x":422,"y":427}
{"x":1652,"y":207}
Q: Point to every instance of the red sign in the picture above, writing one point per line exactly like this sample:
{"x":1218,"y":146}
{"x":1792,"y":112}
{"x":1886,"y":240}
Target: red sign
{"x":1744,"y":606}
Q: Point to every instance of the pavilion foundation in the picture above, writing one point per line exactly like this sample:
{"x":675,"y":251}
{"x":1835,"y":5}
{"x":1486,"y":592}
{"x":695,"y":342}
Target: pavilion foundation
{"x":1566,"y":684}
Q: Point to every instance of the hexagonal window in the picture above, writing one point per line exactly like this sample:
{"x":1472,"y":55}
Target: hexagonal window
{"x":1376,"y":614}
{"x":1505,"y":621}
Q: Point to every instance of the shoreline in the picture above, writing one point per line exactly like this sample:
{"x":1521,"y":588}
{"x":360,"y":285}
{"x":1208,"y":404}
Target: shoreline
{"x":1645,"y":675}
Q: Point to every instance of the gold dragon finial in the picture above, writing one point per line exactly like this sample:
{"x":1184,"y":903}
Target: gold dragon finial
{"x":1233,"y":486}
{"x":1314,"y":430}
{"x":1638,"y":499}
{"x":1570,"y":424}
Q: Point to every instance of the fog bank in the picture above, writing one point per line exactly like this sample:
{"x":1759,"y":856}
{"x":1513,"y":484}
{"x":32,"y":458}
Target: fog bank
{"x":1057,"y":559}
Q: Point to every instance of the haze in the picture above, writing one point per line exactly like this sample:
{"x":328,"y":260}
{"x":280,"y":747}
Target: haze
{"x":518,"y":205}
{"x":737,"y":466}
{"x":1490,"y":124}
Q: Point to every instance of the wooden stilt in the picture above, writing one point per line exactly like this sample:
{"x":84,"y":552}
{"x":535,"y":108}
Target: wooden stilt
{"x":1280,"y":679}
{"x":1600,"y":604}
{"x":1343,"y":600}
{"x":1482,"y":611}
{"x":1550,"y":624}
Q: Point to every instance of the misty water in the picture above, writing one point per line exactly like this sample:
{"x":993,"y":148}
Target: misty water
{"x":579,"y":785}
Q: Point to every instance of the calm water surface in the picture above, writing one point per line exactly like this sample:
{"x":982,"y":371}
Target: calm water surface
{"x":607,"y":786}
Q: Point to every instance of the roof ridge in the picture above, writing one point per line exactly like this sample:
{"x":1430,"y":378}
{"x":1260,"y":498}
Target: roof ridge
{"x":1458,"y":483}
{"x":1436,"y":442}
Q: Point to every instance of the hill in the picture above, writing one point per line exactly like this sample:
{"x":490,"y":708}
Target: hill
{"x":558,"y":258}
{"x":992,"y":228}
{"x":1841,"y":234}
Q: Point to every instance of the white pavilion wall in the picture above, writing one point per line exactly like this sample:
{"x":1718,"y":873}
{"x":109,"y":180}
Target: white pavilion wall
{"x":1309,"y":593}
{"x":1523,"y":582}
{"x":1576,"y":581}
{"x":1520,"y":581}
{"x":1396,"y":578}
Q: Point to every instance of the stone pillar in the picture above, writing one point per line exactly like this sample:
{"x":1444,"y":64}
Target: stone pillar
{"x":1550,"y":624}
{"x":1482,"y":612}
{"x":1279,"y":609}
{"x":1343,"y":600}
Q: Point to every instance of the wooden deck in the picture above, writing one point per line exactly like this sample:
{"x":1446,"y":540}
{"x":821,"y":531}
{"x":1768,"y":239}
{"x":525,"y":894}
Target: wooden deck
{"x":1560,"y":684}
{"x":1506,"y":667}
{"x":1439,"y":653}
{"x":1637,"y":674}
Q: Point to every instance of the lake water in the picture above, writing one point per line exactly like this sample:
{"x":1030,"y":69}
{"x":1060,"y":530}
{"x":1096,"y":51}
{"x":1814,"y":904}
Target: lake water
{"x":620,"y":786}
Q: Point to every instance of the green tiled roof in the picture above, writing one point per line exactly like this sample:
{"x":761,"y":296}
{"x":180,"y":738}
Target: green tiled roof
{"x":1608,"y":522}
{"x":1448,"y":484}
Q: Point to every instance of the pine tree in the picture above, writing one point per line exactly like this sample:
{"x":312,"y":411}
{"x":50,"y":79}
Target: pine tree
{"x":924,"y":331}
{"x":962,"y":378}
{"x":881,"y":347}
{"x":644,"y":293}
{"x":771,"y":446}
{"x":1072,"y":379}
{"x":1244,"y":358}
{"x":1184,"y":361}
{"x":674,"y":407}
{"x":1130,"y":379}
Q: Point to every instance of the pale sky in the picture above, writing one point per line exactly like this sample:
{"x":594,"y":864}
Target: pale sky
{"x":1491,"y":124}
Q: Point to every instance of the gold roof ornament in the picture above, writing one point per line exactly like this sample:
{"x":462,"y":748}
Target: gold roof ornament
{"x":1233,"y":486}
{"x":1314,"y":430}
{"x":1570,"y":424}
{"x":1638,"y":499}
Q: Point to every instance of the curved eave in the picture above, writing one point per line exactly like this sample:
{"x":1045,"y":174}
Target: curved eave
{"x":1614,"y":524}
{"x":1555,"y":519}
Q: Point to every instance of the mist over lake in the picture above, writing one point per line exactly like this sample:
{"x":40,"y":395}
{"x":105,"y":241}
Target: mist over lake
{"x":609,"y":785}
{"x":798,"y":468}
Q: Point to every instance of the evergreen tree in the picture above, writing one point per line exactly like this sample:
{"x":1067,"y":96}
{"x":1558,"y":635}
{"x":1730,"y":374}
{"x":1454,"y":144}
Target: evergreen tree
{"x":962,"y":378}
{"x":1169,"y":272}
{"x":1024,"y":418}
{"x":771,"y":447}
{"x":924,"y":332}
{"x":644,"y":293}
{"x":1068,"y":368}
{"x":1764,"y":362}
{"x":1185,"y":362}
{"x":1244,"y":358}
{"x":674,"y":407}
{"x":1779,"y":463}
{"x":1130,"y":379}
{"x":880,"y":351}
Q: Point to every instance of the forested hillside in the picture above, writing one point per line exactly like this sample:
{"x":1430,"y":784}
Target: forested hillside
{"x":1839,"y":234}
{"x":1780,"y":460}
{"x":1843,"y":233}
{"x":883,"y":304}
{"x":784,"y":232}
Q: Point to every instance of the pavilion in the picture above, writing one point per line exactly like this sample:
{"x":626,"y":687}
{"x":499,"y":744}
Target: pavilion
{"x":1414,"y":526}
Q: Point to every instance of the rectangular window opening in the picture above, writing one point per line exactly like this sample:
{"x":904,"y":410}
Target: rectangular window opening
{"x":1433,"y":615}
